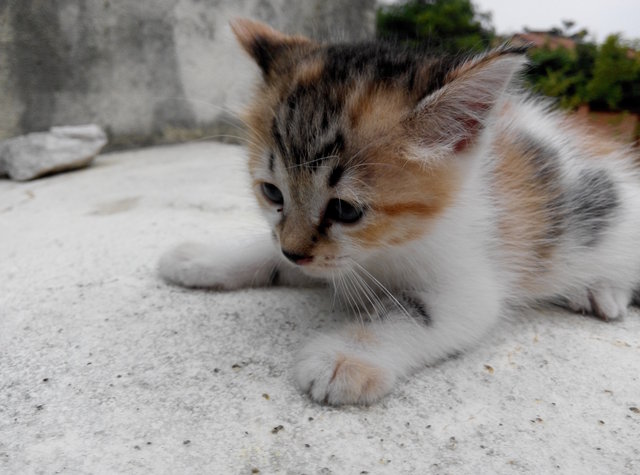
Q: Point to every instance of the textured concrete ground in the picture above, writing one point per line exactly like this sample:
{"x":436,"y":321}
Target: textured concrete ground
{"x":106,"y":369}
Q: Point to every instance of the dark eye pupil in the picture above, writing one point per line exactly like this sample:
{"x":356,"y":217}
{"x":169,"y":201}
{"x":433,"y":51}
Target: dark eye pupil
{"x":342,"y":211}
{"x":272,"y":193}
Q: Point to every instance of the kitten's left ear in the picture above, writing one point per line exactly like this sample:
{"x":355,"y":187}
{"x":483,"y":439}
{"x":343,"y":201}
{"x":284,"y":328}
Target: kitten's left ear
{"x":452,"y":117}
{"x":270,"y":48}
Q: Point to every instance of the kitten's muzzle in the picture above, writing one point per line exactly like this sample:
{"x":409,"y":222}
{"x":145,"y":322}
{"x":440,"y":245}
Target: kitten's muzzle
{"x":299,"y":259}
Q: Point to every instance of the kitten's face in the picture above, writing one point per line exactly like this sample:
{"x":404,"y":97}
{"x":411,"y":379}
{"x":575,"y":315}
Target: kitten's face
{"x":334,"y":153}
{"x":339,"y":189}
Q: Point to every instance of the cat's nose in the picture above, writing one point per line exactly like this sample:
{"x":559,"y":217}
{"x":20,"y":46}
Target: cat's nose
{"x":299,"y":259}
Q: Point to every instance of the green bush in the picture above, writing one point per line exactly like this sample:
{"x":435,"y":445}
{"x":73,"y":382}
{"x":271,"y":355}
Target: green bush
{"x":607,"y":77}
{"x":450,"y":25}
{"x":562,"y":73}
{"x":616,"y":77}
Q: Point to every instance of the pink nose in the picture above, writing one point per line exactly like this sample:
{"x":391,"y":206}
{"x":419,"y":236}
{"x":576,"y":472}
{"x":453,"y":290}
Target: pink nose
{"x":297,"y":258}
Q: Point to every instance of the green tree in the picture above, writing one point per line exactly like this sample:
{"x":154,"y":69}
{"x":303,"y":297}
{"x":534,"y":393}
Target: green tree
{"x":562,"y":73}
{"x":616,"y":76}
{"x":450,"y":25}
{"x":605,"y":77}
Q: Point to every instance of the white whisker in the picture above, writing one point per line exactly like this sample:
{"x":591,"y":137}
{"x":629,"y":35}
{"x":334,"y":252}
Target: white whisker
{"x":384,"y":289}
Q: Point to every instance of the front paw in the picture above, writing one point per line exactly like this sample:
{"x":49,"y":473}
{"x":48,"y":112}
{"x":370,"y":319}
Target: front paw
{"x":189,"y":264}
{"x":332,"y":373}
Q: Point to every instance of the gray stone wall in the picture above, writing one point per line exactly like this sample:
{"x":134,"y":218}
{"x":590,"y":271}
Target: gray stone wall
{"x":147,"y":71}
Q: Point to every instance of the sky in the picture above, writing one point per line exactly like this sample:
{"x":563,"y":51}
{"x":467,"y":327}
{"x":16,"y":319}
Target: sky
{"x":600,"y":17}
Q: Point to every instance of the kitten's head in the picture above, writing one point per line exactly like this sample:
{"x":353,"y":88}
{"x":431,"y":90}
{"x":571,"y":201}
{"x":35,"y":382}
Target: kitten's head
{"x":356,"y":149}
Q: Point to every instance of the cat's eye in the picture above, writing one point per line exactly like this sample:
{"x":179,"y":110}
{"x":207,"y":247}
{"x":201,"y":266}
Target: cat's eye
{"x":342,"y":211}
{"x":272,"y":193}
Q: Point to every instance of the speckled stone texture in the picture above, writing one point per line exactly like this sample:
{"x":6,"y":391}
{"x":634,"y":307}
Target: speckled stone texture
{"x":60,"y":149}
{"x":106,"y":369}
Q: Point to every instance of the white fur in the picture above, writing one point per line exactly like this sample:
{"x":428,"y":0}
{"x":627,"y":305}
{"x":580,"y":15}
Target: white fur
{"x":230,"y":265}
{"x":459,"y":268}
{"x":610,"y":270}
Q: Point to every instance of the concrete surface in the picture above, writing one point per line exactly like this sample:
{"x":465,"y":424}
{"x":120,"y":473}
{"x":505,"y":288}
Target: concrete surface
{"x":146,"y":70}
{"x":105,"y":369}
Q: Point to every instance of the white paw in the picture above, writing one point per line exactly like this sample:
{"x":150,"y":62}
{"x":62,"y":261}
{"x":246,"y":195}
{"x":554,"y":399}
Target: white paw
{"x":333,"y":372}
{"x":602,"y":300}
{"x":609,"y":303}
{"x":189,"y":264}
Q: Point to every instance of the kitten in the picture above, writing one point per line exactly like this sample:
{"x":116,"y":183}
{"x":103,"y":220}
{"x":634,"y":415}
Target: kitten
{"x":431,"y":192}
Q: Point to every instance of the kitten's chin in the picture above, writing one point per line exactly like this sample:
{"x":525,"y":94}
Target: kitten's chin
{"x":322,"y":271}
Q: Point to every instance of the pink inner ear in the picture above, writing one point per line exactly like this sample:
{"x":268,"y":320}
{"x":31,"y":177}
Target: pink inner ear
{"x":472,"y":127}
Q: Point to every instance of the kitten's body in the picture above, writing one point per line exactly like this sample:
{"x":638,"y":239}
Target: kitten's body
{"x":431,"y":194}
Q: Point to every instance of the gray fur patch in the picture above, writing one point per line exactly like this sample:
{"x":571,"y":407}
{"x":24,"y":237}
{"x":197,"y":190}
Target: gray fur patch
{"x":592,"y":204}
{"x":305,"y":128}
{"x":546,"y":163}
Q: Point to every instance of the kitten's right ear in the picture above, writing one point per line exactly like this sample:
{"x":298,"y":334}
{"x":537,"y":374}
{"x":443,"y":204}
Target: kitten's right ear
{"x":451,"y":118}
{"x":268,"y":47}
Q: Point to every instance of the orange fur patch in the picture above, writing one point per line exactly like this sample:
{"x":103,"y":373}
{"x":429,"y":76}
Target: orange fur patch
{"x":411,"y":197}
{"x":359,"y":380}
{"x":524,"y":221}
{"x":309,"y":71}
{"x":413,"y":208}
{"x":373,"y":109}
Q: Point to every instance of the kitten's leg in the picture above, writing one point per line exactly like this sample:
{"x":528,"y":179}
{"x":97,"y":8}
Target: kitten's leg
{"x":602,"y":300}
{"x":228,"y":265}
{"x":577,"y":301}
{"x":362,"y":362}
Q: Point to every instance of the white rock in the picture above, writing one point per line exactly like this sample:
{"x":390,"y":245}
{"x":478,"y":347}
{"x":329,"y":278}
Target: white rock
{"x":62,"y":148}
